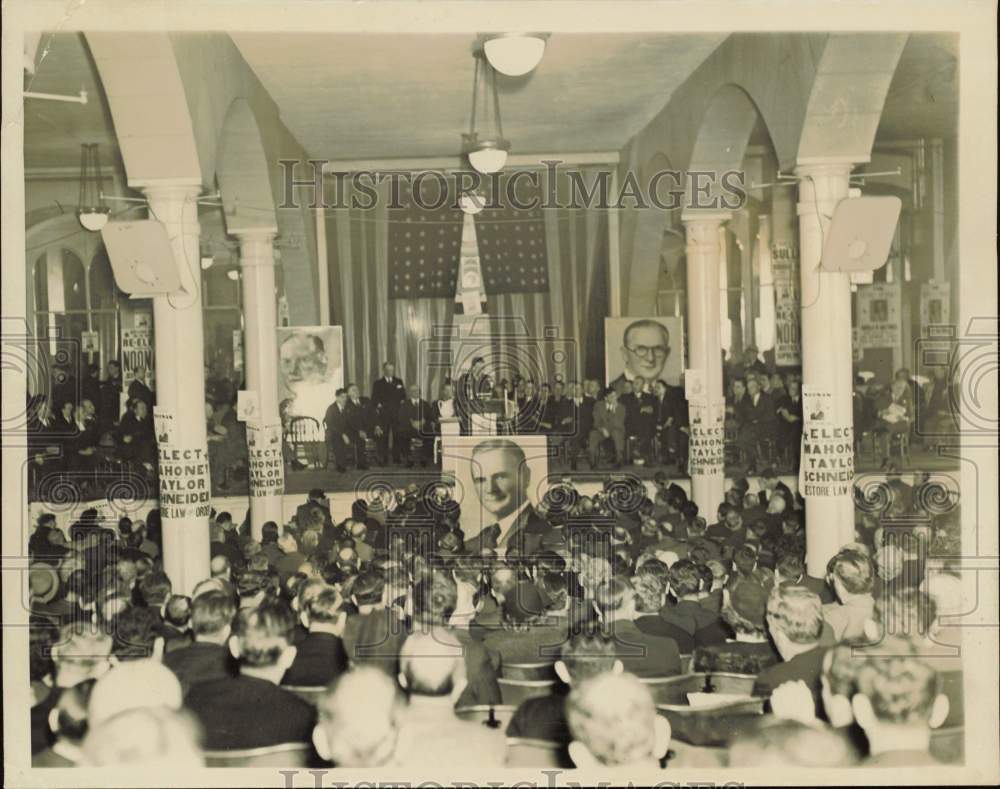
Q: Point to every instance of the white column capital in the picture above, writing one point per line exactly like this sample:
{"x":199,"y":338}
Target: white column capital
{"x":692,"y":217}
{"x":168,"y":189}
{"x":256,"y":234}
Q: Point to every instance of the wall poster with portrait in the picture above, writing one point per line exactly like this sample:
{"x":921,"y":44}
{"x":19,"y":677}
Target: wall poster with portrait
{"x":495,"y":478}
{"x":310,"y":369}
{"x":649,"y":348}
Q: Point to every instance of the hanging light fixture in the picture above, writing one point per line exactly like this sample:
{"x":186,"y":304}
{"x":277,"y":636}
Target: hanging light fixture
{"x":487,"y":152}
{"x":472,"y":202}
{"x":515,"y":54}
{"x":91,"y":209}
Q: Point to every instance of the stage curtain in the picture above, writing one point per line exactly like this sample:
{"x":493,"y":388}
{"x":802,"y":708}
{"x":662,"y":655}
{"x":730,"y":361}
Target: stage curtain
{"x":377,"y":329}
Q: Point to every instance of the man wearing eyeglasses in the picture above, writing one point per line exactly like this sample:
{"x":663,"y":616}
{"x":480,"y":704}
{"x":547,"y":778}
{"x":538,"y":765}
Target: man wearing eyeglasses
{"x":645,"y":349}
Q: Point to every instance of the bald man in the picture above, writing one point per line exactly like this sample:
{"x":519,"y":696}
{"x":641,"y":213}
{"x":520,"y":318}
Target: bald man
{"x":432,"y":672}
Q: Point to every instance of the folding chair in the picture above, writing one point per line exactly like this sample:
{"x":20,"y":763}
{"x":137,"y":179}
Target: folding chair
{"x":525,"y":752}
{"x":306,"y":692}
{"x":528,"y":671}
{"x":516,"y":691}
{"x":494,"y":716}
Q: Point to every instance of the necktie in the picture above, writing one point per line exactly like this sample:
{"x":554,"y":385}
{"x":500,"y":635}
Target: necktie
{"x":490,"y":535}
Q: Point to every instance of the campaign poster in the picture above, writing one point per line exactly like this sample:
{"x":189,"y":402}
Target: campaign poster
{"x":137,"y":355}
{"x":826,"y":468}
{"x":495,"y":477}
{"x":649,"y":348}
{"x":879,"y":315}
{"x":787,"y":322}
{"x":935,"y":303}
{"x":310,"y":369}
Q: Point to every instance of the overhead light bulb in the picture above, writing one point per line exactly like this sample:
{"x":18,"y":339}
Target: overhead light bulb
{"x":472,"y":202}
{"x":93,"y":219}
{"x":515,"y":54}
{"x":489,"y":157}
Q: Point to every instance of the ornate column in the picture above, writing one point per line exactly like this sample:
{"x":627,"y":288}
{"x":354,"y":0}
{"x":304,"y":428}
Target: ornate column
{"x":185,"y":488}
{"x":260,"y":320}
{"x":827,"y":472}
{"x":704,"y":340}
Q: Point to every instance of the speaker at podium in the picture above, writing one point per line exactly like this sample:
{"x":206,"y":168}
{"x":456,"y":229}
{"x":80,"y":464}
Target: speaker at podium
{"x":141,"y":257}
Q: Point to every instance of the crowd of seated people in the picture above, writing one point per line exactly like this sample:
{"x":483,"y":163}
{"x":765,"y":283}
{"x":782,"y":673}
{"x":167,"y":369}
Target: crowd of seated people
{"x":290,"y":632}
{"x":79,"y":429}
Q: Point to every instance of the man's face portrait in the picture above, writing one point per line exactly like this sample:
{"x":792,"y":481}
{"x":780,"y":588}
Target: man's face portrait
{"x":645,"y":349}
{"x":303,"y":360}
{"x":353,"y":392}
{"x":739,"y":389}
{"x":501,"y":479}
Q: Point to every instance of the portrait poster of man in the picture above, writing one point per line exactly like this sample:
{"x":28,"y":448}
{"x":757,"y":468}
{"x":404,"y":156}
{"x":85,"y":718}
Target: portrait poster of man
{"x":498,"y":482}
{"x":649,"y":348}
{"x":310,"y":368}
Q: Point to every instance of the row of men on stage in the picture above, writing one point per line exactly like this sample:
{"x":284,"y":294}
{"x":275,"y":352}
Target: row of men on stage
{"x":579,"y":417}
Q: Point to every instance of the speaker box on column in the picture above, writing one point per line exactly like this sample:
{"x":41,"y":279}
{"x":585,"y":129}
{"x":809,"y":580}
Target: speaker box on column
{"x":860,"y":233}
{"x":141,"y":257}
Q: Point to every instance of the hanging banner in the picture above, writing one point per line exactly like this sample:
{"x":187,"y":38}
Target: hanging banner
{"x":310,"y":369}
{"x":827,"y":464}
{"x":470,"y":292}
{"x":879,"y":311}
{"x":185,"y":484}
{"x":267,"y":466}
{"x":707,"y":444}
{"x":935,"y":304}
{"x":787,"y":336}
{"x":137,"y":355}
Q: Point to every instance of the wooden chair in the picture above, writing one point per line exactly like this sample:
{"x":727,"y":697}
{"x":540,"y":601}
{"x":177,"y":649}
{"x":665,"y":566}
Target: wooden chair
{"x":516,"y":691}
{"x":686,"y":663}
{"x":306,"y":692}
{"x":674,"y":690}
{"x":525,"y":752}
{"x":529,"y":671}
{"x":495,"y":716}
{"x":289,"y":754}
{"x":948,"y":744}
{"x":725,"y":682}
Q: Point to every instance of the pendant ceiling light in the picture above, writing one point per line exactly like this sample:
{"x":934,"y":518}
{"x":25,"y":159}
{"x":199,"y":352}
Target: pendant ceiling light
{"x":515,"y":54}
{"x":91,"y":209}
{"x":486,"y":148}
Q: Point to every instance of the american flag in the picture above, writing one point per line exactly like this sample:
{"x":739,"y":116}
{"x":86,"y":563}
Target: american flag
{"x":512,"y":244}
{"x":424,"y":245}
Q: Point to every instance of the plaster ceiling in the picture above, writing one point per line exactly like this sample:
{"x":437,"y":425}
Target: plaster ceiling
{"x":387,"y":96}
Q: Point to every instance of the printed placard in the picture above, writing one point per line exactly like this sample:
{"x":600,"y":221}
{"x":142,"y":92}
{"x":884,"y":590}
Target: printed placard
{"x":185,"y":482}
{"x":827,"y":459}
{"x":247,"y":405}
{"x":787,"y":336}
{"x":935,"y":303}
{"x":137,"y":355}
{"x":163,"y":426}
{"x":90,"y":342}
{"x":879,"y":315}
{"x":707,"y":445}
{"x":267,"y":466}
{"x":694,"y":385}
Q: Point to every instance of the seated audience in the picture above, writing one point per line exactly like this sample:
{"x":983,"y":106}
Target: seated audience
{"x":614,"y":723}
{"x":349,"y":739}
{"x":432,"y":672}
{"x":230,"y":708}
{"x":320,"y":657}
{"x":750,"y":652}
{"x":850,"y":576}
{"x":208,"y":658}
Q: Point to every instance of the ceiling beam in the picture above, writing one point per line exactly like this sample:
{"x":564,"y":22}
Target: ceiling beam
{"x":458,"y":162}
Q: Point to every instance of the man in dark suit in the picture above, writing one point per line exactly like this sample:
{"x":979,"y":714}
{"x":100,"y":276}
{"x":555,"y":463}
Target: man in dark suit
{"x":759,"y":421}
{"x":560,"y":414}
{"x":501,"y":477}
{"x":468,"y":387}
{"x":640,"y":652}
{"x":582,"y":399}
{"x":316,"y":502}
{"x":251,"y":710}
{"x":789,"y":412}
{"x":387,"y":394}
{"x":320,"y":657}
{"x":609,"y":423}
{"x":208,"y":658}
{"x":771,"y":484}
{"x":414,"y":423}
{"x":361,"y":420}
{"x":529,"y":411}
{"x":339,"y":431}
{"x":136,"y":439}
{"x":685,"y":611}
{"x":795,"y":623}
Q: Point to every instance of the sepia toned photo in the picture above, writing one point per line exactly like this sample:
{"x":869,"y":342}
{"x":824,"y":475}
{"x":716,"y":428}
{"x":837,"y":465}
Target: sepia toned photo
{"x":463,"y":394}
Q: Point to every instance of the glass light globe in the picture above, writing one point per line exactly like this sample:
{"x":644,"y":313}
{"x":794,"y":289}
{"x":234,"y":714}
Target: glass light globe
{"x":93,"y":219}
{"x":472,"y":202}
{"x":488,"y":160}
{"x":514,"y":55}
